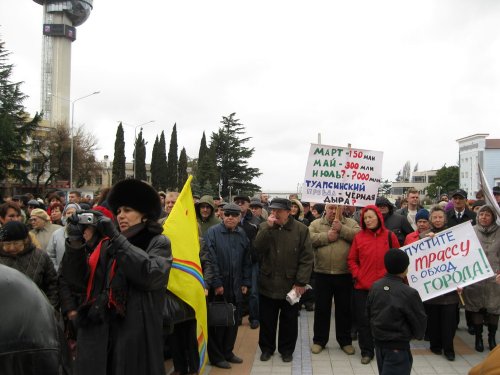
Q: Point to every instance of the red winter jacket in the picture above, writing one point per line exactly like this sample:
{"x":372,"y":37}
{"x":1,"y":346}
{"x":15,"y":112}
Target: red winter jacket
{"x":366,"y":257}
{"x":412,"y":237}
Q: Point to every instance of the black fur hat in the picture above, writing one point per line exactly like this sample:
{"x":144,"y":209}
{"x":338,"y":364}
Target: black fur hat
{"x":135,"y":194}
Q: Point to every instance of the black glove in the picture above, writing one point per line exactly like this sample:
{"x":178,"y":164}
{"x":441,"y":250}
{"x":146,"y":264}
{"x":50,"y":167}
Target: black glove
{"x":73,"y":219}
{"x":74,"y":232}
{"x":106,"y":227}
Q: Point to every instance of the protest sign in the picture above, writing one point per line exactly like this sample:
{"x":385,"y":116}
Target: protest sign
{"x":341,"y":175}
{"x":452,"y":258}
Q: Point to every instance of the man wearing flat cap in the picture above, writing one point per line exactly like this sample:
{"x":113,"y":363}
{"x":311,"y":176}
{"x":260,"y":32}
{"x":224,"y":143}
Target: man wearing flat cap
{"x":229,"y":251}
{"x":460,"y":212}
{"x":286,"y":258}
{"x":250,"y":225}
{"x":496,"y":194}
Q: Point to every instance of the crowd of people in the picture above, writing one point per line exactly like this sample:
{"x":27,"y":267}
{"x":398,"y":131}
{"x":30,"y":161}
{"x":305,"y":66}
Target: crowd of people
{"x":104,"y":264}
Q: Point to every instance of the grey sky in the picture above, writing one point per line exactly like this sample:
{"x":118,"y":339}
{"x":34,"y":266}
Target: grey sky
{"x":405,"y":78}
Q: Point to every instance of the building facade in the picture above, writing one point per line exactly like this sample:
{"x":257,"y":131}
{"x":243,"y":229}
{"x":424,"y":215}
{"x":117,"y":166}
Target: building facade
{"x":477,"y":150}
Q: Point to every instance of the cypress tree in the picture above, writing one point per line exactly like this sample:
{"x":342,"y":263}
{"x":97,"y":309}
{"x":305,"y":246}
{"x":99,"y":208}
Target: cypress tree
{"x":162,"y":157}
{"x":155,"y":167}
{"x":119,"y":156}
{"x":172,"y":161}
{"x":140,"y":161}
{"x":182,"y":170}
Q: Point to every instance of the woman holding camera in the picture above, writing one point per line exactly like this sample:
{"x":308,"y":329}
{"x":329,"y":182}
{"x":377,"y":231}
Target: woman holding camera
{"x":123,"y":274}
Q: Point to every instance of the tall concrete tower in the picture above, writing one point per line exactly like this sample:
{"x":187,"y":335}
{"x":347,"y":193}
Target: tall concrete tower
{"x":59,"y":22}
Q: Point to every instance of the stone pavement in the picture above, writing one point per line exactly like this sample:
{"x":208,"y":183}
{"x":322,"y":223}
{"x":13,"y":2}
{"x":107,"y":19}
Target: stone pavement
{"x":333,"y":361}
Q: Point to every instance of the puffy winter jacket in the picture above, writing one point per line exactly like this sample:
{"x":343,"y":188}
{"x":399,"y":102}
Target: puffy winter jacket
{"x":366,"y":257}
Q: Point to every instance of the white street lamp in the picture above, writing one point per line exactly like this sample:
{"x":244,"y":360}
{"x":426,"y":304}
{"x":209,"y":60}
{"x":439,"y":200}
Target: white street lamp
{"x":72,"y":124}
{"x":135,"y":138}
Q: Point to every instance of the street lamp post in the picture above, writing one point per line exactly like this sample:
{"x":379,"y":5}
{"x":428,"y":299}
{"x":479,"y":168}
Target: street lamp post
{"x":135,"y":138}
{"x":72,"y":125}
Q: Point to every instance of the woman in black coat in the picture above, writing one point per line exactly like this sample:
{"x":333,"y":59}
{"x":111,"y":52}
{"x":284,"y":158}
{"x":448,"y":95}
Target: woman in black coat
{"x":124,"y":274}
{"x":18,"y":252}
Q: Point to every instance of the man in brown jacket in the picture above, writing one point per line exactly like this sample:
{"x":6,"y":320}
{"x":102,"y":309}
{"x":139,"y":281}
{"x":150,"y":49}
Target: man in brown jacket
{"x":286,"y":257}
{"x":331,"y":238}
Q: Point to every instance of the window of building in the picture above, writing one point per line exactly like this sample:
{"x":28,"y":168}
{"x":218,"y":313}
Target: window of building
{"x":98,"y":180}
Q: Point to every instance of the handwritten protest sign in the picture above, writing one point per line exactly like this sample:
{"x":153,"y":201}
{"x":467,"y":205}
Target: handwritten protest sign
{"x":451,"y":258}
{"x":341,"y":175}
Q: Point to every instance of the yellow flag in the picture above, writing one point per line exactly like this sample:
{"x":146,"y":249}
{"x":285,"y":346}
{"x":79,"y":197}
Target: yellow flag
{"x":186,"y":276}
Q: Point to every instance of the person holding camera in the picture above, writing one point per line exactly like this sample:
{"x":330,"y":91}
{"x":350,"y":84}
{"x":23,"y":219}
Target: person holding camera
{"x":122,"y":274}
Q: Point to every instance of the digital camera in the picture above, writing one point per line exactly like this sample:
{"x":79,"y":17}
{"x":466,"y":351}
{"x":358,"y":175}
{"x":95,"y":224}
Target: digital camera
{"x":86,"y":218}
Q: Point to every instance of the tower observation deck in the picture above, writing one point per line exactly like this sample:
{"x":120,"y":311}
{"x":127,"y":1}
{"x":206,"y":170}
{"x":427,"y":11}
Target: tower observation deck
{"x":59,"y":31}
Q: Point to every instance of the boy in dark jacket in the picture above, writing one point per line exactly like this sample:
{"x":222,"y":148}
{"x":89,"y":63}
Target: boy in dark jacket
{"x":396,"y":315}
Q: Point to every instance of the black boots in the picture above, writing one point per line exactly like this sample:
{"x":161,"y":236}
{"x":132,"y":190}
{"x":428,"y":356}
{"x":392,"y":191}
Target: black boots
{"x":492,"y":329}
{"x":479,"y":337}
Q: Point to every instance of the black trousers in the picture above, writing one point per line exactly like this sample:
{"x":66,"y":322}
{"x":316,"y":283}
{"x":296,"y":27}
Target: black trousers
{"x":442,"y":325}
{"x":394,"y":361}
{"x":221,"y":341}
{"x":271,"y":310}
{"x":365,"y":338}
{"x":184,"y":347}
{"x":338,"y":287}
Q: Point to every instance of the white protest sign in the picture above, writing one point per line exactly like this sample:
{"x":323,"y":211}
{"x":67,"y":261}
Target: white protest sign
{"x":452,"y":258}
{"x":341,"y":175}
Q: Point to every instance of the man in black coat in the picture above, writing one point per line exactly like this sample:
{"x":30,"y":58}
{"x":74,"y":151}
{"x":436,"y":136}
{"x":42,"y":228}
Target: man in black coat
{"x":460,"y":213}
{"x":396,"y":223}
{"x":229,"y":251}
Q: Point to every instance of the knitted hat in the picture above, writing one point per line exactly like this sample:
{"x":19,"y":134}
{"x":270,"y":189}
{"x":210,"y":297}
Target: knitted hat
{"x":422,"y":214}
{"x":76,"y":206}
{"x":135,"y":194}
{"x":13,"y":231}
{"x":396,"y":261}
{"x":38,"y":212}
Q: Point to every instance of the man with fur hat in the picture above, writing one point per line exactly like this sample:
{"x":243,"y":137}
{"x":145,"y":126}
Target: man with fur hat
{"x":396,"y":314}
{"x":205,"y":213}
{"x":284,"y":248}
{"x":42,"y":227}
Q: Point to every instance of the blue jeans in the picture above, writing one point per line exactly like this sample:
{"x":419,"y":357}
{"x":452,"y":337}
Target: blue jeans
{"x":253,"y":302}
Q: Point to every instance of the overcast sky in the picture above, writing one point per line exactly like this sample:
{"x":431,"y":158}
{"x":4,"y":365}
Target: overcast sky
{"x":405,"y":78}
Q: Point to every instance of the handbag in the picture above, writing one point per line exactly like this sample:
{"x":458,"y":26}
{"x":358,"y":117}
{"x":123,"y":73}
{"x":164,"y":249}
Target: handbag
{"x":175,"y":311}
{"x":221,"y":314}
